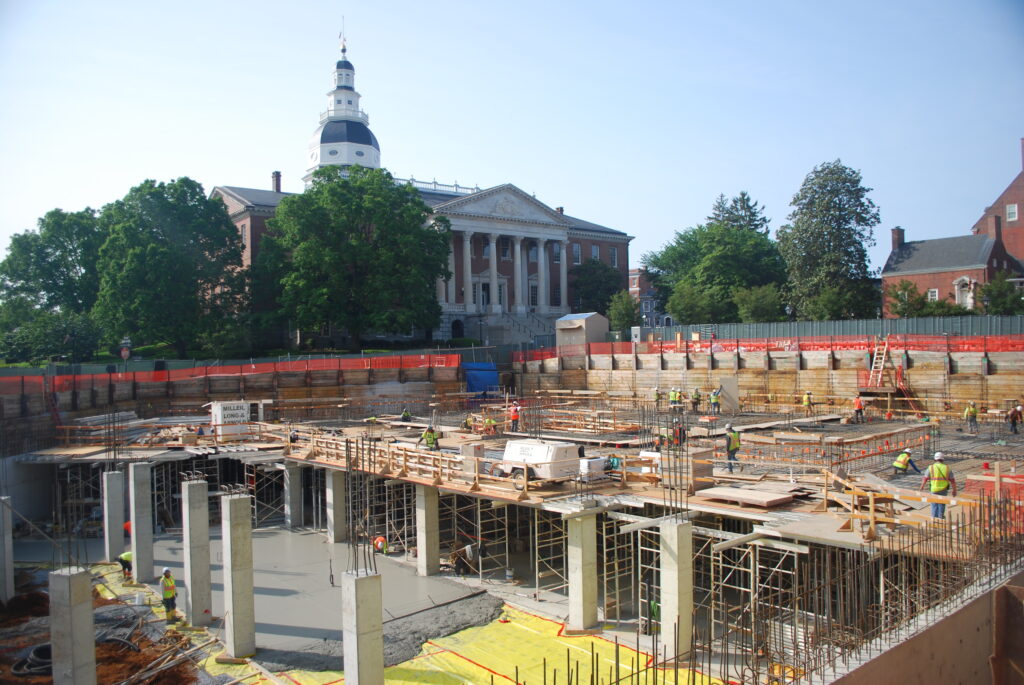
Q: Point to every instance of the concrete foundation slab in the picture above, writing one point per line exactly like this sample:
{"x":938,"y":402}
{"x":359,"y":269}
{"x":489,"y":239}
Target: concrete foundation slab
{"x":362,"y":629}
{"x":141,"y":495}
{"x":71,"y":627}
{"x":196,"y":523}
{"x":113,"y":514}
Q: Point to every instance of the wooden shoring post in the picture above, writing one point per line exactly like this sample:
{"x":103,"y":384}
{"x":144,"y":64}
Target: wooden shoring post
{"x":998,"y":489}
{"x":437,"y":471}
{"x":404,"y":471}
{"x":872,"y":533}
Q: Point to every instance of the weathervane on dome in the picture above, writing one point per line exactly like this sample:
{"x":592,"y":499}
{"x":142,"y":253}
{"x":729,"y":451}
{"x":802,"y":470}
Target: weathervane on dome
{"x":341,"y":36}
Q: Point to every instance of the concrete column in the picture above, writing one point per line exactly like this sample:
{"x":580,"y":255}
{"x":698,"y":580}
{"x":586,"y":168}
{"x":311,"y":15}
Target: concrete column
{"x":71,"y":628}
{"x":141,"y":497}
{"x":337,"y":506}
{"x":543,"y":277}
{"x":563,"y":274}
{"x":113,"y":514}
{"x":292,"y":496}
{"x":517,"y":271}
{"x":439,"y":286}
{"x":239,"y":606}
{"x":428,"y":540}
{"x":195,"y":518}
{"x":6,"y":550}
{"x":495,"y":305}
{"x":676,"y":584}
{"x":582,"y":543}
{"x":362,"y":629}
{"x":467,"y":271}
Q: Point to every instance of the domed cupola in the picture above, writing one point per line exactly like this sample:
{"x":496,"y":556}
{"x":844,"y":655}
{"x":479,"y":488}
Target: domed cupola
{"x":343,"y":137}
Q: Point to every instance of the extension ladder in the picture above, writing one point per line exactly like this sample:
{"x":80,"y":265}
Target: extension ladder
{"x":878,"y":358}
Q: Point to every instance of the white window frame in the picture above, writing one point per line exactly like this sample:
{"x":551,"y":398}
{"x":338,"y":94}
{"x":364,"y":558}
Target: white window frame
{"x":506,"y":249}
{"x":531,"y":254}
{"x":556,"y":252}
{"x":933,"y":294}
{"x":1011,"y":212}
{"x":485,"y":250}
{"x":577,"y":254}
{"x":595,"y":252}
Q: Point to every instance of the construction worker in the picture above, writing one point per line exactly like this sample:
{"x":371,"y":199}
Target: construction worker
{"x":125,"y":559}
{"x":169,"y":592}
{"x":807,"y":402}
{"x":715,"y":400}
{"x":695,"y":400}
{"x":678,"y":433}
{"x":858,"y":410}
{"x":939,"y":479}
{"x":431,"y":438}
{"x":657,"y":399}
{"x":673,"y":398}
{"x":406,"y":414}
{"x":468,"y":423}
{"x":732,"y":445}
{"x":904,"y":463}
{"x":1014,"y":417}
{"x":490,"y":426}
{"x":513,"y":417}
{"x":971,"y":416}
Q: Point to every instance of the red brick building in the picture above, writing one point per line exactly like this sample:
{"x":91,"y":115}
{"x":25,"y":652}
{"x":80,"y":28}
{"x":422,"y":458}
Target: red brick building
{"x":1009,"y":207}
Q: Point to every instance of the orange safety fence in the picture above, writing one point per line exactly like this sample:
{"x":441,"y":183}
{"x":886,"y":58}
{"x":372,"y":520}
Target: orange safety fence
{"x":17,"y":385}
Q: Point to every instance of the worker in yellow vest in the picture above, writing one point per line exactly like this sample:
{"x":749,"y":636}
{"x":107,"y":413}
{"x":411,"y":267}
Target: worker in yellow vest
{"x":168,"y":592}
{"x":971,"y":416}
{"x":904,"y":463}
{"x":695,"y":400}
{"x":807,"y":402}
{"x":732,"y":444}
{"x":125,"y":559}
{"x":939,"y":479}
{"x":430,"y":436}
{"x":715,"y":400}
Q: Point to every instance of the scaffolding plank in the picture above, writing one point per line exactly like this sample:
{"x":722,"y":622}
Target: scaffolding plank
{"x":746,"y":496}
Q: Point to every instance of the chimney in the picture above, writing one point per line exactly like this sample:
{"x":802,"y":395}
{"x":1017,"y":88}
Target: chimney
{"x":560,"y":210}
{"x":275,"y":181}
{"x":995,"y":227}
{"x":897,"y":238}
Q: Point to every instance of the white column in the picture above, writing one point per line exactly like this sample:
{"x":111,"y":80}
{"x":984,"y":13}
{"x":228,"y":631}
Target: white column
{"x":428,"y":541}
{"x":467,"y":271}
{"x":676,"y":584}
{"x":582,"y":543}
{"x":440,"y":289}
{"x":292,"y":496}
{"x":6,"y":550}
{"x":495,"y":305}
{"x":72,"y":634}
{"x":239,"y":605}
{"x":113,"y":514}
{"x":141,"y":496}
{"x":543,"y":277}
{"x":517,"y":273}
{"x":563,"y":274}
{"x":362,"y":629}
{"x":451,"y":269}
{"x":195,"y":520}
{"x":337,"y":505}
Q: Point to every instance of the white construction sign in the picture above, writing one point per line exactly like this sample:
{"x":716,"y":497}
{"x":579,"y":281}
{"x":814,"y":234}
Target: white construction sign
{"x":229,"y":419}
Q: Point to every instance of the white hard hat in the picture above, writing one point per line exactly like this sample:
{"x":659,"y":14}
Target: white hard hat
{"x":1020,"y":408}
{"x":166,"y":570}
{"x":908,"y":450}
{"x":728,"y":426}
{"x":938,"y":456}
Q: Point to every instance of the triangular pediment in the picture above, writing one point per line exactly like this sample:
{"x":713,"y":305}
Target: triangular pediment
{"x":505,"y":202}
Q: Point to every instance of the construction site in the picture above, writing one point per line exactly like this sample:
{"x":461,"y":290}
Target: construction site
{"x":585,"y":515}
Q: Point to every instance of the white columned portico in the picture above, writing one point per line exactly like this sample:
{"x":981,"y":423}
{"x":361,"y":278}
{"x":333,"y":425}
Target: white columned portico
{"x":467,"y":271}
{"x":563,"y":275}
{"x":543,"y":277}
{"x":495,"y":304}
{"x":518,"y":271}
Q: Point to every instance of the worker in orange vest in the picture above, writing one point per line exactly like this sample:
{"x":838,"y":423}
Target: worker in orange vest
{"x":513,"y":416}
{"x":858,"y":410}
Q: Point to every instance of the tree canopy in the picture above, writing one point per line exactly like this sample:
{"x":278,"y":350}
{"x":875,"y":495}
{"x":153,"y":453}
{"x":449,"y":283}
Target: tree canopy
{"x":623,"y":311}
{"x":1001,"y":297}
{"x":594,"y":283}
{"x":359,"y":252}
{"x":825,"y":245}
{"x":170,"y":266}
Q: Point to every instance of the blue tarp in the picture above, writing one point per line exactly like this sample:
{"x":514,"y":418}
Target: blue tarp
{"x":480,"y":376}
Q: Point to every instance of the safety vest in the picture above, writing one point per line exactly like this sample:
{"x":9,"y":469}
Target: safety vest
{"x":970,"y":411}
{"x":714,"y":398}
{"x":858,"y":404}
{"x":695,"y":396}
{"x":902,"y":461}
{"x":168,"y":586}
{"x":938,"y":477}
{"x":807,"y":399}
{"x":431,"y":438}
{"x":734,"y":440}
{"x":513,"y":413}
{"x":125,"y":556}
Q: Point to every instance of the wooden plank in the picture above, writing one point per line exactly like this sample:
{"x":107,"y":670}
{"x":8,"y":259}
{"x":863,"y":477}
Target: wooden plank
{"x":747,"y":496}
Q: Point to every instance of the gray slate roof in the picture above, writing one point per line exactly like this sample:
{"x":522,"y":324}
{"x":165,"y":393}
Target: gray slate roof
{"x":255,"y":196}
{"x":940,"y":254}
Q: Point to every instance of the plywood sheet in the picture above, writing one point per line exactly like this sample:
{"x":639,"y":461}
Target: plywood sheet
{"x":745,"y":496}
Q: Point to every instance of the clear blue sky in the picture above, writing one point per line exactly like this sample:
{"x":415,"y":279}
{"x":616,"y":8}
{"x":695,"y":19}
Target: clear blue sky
{"x":631,"y":115}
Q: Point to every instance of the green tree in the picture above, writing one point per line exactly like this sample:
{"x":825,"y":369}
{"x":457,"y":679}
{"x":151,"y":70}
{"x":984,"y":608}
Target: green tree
{"x":741,"y":213}
{"x":689,"y":304}
{"x":903,"y":300}
{"x":1004,"y":298}
{"x":759,"y":303}
{"x":171,"y":266}
{"x":68,"y":336}
{"x":825,"y":245}
{"x":623,"y":311}
{"x":594,"y":283}
{"x":361,"y":253}
{"x":55,"y":266}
